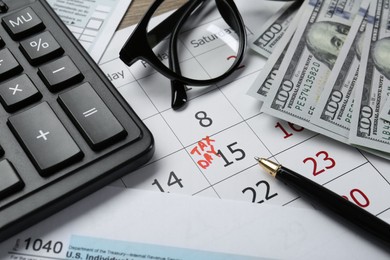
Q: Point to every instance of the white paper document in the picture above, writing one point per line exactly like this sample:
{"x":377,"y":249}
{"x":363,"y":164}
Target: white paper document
{"x":92,"y":22}
{"x":119,"y":224}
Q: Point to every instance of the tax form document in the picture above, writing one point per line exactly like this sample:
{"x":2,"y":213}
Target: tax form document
{"x":92,"y":22}
{"x":124,"y":224}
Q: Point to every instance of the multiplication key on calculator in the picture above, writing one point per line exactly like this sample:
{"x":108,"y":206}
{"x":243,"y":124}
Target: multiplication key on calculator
{"x":65,"y":131}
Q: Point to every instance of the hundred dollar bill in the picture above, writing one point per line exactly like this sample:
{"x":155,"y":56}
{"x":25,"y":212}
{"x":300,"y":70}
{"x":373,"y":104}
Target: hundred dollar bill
{"x":385,"y":111}
{"x":334,"y":109}
{"x":263,"y":82}
{"x":367,"y":129}
{"x":274,"y":29}
{"x":309,"y":59}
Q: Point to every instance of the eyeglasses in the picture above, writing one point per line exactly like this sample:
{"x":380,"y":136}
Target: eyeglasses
{"x":228,"y":36}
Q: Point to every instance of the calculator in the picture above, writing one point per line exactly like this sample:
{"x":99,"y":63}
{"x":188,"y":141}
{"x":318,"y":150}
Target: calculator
{"x":65,"y":130}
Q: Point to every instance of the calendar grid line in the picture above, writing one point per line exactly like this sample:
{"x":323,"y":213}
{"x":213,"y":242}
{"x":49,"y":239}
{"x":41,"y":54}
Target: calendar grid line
{"x":185,"y":149}
{"x":151,"y":101}
{"x":384,"y":211}
{"x":291,"y":201}
{"x":342,"y":174}
{"x":204,"y":189}
{"x":231,"y":176}
{"x":245,"y":121}
{"x":200,"y":24}
{"x":376,"y":169}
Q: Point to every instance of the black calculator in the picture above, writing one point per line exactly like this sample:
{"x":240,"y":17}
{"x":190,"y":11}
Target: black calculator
{"x":65,"y":131}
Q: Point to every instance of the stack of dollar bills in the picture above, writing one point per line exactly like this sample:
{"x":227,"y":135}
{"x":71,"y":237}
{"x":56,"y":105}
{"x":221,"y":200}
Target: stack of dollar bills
{"x":328,"y":69}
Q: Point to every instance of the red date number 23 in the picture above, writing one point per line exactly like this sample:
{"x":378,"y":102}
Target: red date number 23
{"x":324,"y":156}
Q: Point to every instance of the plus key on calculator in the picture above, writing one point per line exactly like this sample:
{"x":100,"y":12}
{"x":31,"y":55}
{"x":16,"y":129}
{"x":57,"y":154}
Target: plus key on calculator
{"x":65,"y":130}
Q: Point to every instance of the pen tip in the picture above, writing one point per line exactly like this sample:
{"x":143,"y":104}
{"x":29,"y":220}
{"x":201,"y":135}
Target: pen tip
{"x":269,"y":166}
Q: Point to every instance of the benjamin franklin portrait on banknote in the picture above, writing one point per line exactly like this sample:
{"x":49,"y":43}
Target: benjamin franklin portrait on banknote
{"x":381,"y":56}
{"x":324,"y":40}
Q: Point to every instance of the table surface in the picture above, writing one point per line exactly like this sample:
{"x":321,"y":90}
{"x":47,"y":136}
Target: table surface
{"x":138,"y":8}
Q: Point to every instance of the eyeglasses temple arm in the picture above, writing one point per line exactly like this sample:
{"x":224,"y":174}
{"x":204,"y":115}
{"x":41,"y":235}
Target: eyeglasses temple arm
{"x":140,"y":37}
{"x":162,"y":30}
{"x":178,"y":89}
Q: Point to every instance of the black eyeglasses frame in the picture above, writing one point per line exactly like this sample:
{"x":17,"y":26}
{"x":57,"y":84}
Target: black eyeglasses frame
{"x":136,"y":47}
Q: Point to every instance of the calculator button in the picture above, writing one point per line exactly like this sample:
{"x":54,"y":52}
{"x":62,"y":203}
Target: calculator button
{"x":92,"y":117}
{"x":18,"y":92}
{"x":41,"y":48}
{"x":22,"y":23}
{"x":2,"y":43}
{"x":45,"y":139}
{"x":10,"y":180}
{"x":9,"y":66}
{"x":60,"y":73}
{"x":3,"y":7}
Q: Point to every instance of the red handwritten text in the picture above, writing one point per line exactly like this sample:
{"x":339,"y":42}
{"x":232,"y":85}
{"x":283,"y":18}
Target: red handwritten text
{"x":206,"y":149}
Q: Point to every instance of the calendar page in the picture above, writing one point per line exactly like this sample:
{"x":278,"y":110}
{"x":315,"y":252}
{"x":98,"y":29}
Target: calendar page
{"x":208,"y":148}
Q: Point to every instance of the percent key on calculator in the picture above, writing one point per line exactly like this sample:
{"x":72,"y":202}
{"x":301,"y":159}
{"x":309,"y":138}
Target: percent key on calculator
{"x":41,"y":48}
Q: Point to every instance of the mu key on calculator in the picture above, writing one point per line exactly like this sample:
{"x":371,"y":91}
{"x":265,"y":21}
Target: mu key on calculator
{"x":65,"y":131}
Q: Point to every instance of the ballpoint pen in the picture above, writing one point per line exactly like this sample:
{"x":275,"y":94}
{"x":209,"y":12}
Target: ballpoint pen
{"x":330,"y":200}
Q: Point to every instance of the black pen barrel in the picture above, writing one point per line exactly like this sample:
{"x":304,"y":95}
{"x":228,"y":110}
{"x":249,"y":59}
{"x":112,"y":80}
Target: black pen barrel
{"x":335,"y":203}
